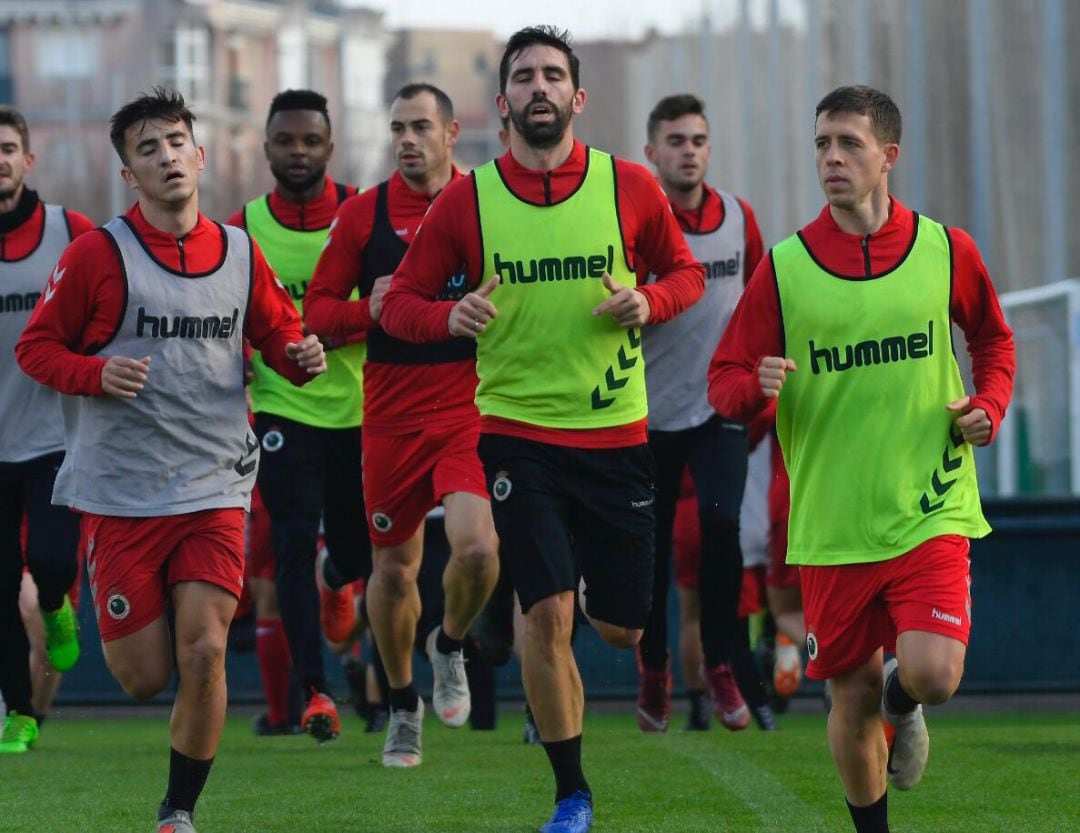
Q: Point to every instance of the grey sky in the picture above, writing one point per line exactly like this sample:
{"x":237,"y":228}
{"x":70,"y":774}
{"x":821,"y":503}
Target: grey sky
{"x":586,"y":19}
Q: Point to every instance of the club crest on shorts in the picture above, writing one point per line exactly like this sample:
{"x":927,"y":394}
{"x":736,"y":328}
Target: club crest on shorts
{"x":500,"y":489}
{"x":118,"y":606}
{"x":811,"y":645}
{"x":272,"y":441}
{"x":381,"y":521}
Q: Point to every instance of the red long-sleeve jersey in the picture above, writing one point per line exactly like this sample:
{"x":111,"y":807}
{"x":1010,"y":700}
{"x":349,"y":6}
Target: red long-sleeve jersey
{"x":21,"y":229}
{"x":398,"y":398}
{"x":708,"y":216}
{"x":756,"y":329}
{"x":308,"y":216}
{"x":84,"y":299}
{"x":450,"y":240}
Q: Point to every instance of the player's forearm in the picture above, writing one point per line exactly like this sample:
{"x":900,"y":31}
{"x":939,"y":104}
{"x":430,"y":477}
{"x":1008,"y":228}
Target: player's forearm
{"x":734,"y":390}
{"x":993,"y":365}
{"x":331,"y":317}
{"x":53,"y":364}
{"x":273,"y":353}
{"x":674,"y":292}
{"x":409,"y":316}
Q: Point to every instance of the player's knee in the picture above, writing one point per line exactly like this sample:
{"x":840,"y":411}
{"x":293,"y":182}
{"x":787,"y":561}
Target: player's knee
{"x":616,"y":636}
{"x":933,"y":682}
{"x":202,"y":658}
{"x":549,"y":622}
{"x":478,"y":556}
{"x":141,"y":682}
{"x":395,"y":577}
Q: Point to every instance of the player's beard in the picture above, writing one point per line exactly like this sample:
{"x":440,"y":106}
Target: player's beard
{"x":298,"y":187}
{"x":542,"y":136}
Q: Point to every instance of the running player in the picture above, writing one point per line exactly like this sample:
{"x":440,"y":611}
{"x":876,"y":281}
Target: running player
{"x":847,"y":325}
{"x":421,"y":422}
{"x":562,"y":384}
{"x":32,"y":237}
{"x":684,"y":430}
{"x":310,"y":436}
{"x":142,"y":326}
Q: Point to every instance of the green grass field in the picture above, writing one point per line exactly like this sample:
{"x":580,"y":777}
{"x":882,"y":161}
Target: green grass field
{"x":1003,"y":772}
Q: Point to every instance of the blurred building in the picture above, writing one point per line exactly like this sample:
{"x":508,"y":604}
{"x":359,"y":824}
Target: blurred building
{"x":69,"y":64}
{"x":465,"y":65}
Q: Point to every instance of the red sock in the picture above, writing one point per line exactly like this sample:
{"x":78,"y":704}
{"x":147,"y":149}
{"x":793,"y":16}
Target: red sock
{"x":272,"y":650}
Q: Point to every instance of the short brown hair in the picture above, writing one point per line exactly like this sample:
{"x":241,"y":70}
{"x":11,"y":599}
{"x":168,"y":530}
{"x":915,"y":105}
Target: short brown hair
{"x":13,"y":118}
{"x":865,"y":101}
{"x":674,"y":107}
{"x":539,"y":36}
{"x":161,"y":104}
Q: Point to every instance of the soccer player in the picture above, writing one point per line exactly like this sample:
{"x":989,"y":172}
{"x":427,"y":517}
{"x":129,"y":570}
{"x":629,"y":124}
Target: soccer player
{"x":32,"y":236}
{"x":847,"y":325}
{"x":562,"y":384}
{"x":684,"y":430}
{"x":310,"y":436}
{"x":142,"y":327}
{"x":420,"y":420}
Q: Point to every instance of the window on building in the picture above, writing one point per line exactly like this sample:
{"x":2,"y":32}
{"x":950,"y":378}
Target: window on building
{"x":186,"y":62}
{"x":64,"y":54}
{"x":7,"y":88}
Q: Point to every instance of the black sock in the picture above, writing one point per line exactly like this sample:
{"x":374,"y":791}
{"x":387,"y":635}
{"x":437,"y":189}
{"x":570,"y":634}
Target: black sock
{"x":40,"y":718}
{"x":696,"y":696}
{"x":898,"y":701}
{"x":404,"y":698}
{"x":444,"y":644}
{"x":312,"y":686}
{"x":872,"y":819}
{"x":187,"y":777}
{"x":565,"y":757}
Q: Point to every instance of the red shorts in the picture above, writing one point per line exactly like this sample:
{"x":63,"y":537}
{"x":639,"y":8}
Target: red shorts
{"x":686,"y":543}
{"x":780,"y":573}
{"x":853,"y":609}
{"x":133,"y":562}
{"x":260,"y":560}
{"x":405,"y":475}
{"x":752,"y":593}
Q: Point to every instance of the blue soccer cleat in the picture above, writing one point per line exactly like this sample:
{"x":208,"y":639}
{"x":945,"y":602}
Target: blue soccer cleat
{"x":572,"y":815}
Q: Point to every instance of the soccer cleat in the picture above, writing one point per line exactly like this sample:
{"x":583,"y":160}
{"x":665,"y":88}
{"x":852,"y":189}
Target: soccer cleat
{"x":450,"y":689}
{"x":262,"y":727}
{"x":376,"y":719}
{"x":178,"y":821}
{"x":653,"y":700}
{"x":698,"y":718}
{"x":61,"y":636}
{"x":730,"y":706}
{"x":909,"y":747}
{"x":19,"y":735}
{"x":764,"y":717}
{"x":402,"y":747}
{"x":531,"y":735}
{"x":320,"y":718}
{"x":337,"y":608}
{"x":572,"y":815}
{"x":787,"y":668}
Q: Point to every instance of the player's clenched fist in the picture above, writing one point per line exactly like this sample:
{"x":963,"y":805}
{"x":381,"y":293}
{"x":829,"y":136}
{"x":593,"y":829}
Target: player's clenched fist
{"x":772,"y":372}
{"x":470,"y":315}
{"x":378,"y":292}
{"x":308,"y":354}
{"x":123,"y":377}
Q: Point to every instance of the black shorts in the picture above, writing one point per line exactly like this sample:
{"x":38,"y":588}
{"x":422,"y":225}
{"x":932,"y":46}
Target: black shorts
{"x":564,"y":512}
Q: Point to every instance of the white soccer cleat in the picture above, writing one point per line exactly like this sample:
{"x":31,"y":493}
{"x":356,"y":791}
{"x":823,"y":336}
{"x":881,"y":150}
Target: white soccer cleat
{"x":402,"y":748}
{"x":450,"y":693}
{"x":177,"y":822}
{"x":909,"y":747}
